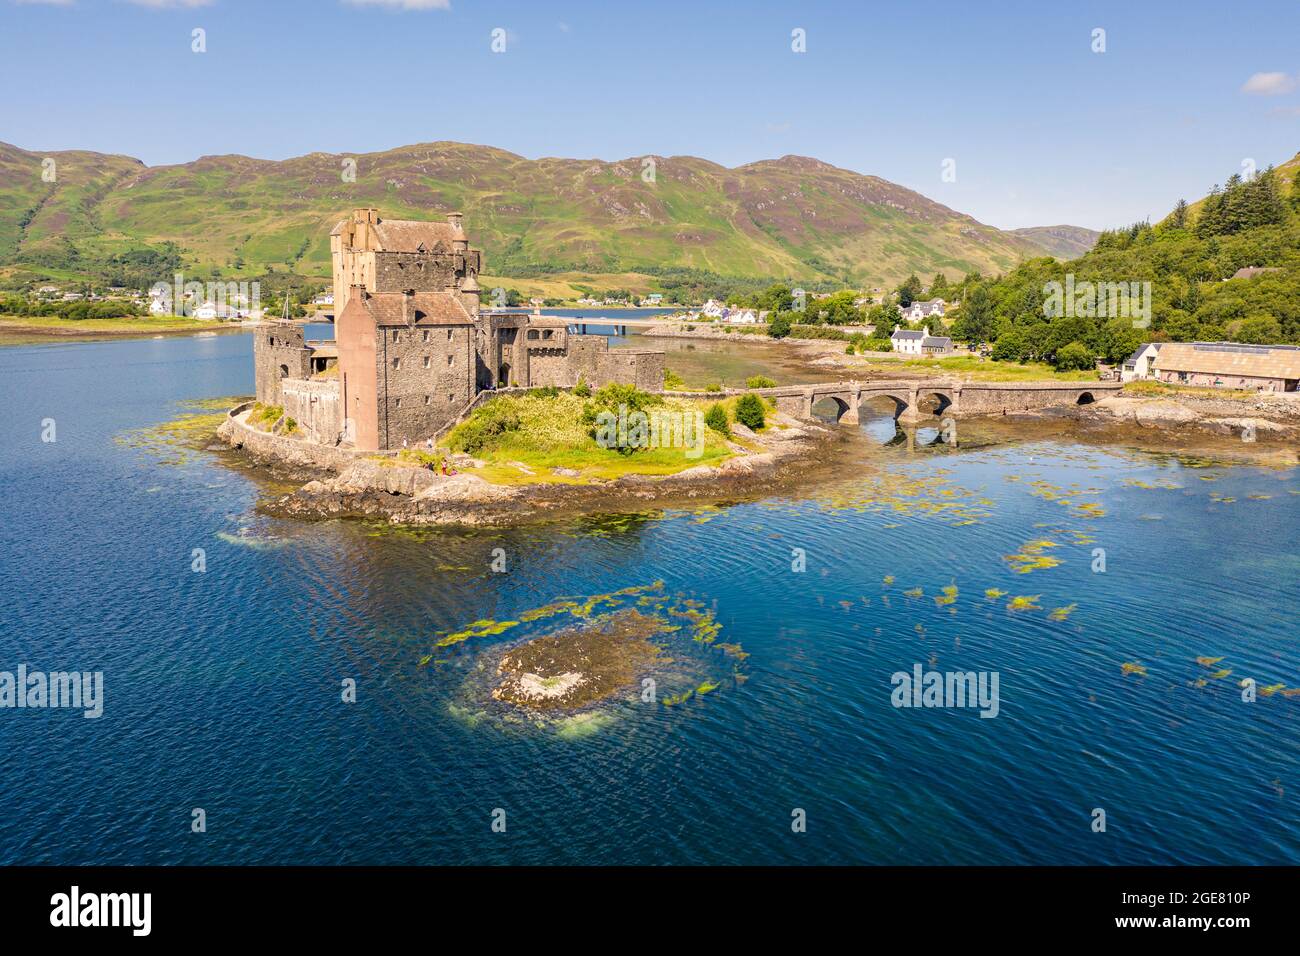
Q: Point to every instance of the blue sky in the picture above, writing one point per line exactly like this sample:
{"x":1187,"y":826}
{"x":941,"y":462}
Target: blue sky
{"x":1042,"y":129}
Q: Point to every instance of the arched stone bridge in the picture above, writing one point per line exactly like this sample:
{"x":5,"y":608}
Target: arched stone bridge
{"x":950,"y":398}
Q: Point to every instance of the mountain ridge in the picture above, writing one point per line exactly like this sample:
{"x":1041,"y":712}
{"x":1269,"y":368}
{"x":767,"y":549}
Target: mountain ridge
{"x":792,"y":217}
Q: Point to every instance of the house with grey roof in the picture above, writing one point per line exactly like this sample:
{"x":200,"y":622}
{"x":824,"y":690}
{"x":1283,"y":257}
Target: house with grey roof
{"x":908,"y":342}
{"x":1141,"y":364}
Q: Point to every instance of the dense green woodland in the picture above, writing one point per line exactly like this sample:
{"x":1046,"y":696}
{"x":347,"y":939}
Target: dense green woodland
{"x":1185,"y":258}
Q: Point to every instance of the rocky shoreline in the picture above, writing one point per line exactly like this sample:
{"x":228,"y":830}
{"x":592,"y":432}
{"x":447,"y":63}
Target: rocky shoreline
{"x":1263,"y":417}
{"x":346,"y":484}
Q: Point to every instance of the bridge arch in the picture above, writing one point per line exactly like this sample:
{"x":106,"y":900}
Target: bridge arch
{"x":901,"y":400}
{"x":942,"y":401}
{"x":1085,"y":398}
{"x":822,"y":405}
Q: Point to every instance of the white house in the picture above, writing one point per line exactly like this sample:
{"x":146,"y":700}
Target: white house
{"x":907,"y":342}
{"x":743,"y":317}
{"x":325,"y":298}
{"x":923,"y":310}
{"x":713,"y":309}
{"x":653,"y":299}
{"x":1141,"y":364}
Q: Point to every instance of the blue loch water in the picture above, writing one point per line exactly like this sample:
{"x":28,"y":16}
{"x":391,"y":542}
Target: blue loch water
{"x":223,"y":687}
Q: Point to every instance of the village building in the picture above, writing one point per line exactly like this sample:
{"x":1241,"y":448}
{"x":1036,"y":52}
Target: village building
{"x":907,"y":342}
{"x":923,"y":310}
{"x":1268,"y":368}
{"x":1249,"y":272}
{"x":1141,"y":364}
{"x":412,"y":352}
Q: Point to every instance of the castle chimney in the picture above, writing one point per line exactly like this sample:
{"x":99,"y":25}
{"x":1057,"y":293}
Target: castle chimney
{"x":457,"y":221}
{"x":408,"y":299}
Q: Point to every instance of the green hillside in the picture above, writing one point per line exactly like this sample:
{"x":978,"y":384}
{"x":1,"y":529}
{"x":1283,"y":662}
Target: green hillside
{"x":1064,"y":242}
{"x":794,"y":217}
{"x":1190,"y":259}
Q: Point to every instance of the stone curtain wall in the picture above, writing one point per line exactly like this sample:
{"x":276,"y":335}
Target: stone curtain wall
{"x":416,"y":399}
{"x":314,"y":405}
{"x":642,"y":368}
{"x":279,"y":352}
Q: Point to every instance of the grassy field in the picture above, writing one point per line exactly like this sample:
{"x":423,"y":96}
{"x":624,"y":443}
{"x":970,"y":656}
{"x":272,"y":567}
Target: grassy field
{"x":134,"y":325}
{"x":1166,"y":390}
{"x":543,"y":432}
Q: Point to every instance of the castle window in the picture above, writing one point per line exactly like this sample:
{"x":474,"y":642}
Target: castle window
{"x":450,"y":398}
{"x":397,"y":403}
{"x":449,"y":335}
{"x":451,"y":359}
{"x":272,"y":338}
{"x":397,"y":363}
{"x":395,"y":334}
{"x":426,"y":361}
{"x":426,"y":335}
{"x":532,"y":334}
{"x":426,"y":399}
{"x":546,"y":334}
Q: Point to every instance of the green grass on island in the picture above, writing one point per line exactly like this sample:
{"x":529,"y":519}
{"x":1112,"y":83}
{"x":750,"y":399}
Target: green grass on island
{"x":523,"y":439}
{"x":129,"y":325}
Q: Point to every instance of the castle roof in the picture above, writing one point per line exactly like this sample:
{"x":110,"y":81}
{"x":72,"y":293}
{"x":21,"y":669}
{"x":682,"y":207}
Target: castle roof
{"x":428,"y":308}
{"x":408,"y":235}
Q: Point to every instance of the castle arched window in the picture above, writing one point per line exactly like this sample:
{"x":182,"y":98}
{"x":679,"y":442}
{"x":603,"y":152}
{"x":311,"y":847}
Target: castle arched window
{"x":532,"y":335}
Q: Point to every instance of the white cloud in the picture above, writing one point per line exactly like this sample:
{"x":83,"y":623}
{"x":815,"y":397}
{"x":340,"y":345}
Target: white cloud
{"x":402,"y":4}
{"x":1269,"y":84}
{"x":44,"y":3}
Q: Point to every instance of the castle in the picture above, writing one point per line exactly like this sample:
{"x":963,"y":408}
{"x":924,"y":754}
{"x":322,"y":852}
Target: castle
{"x":412,"y":352}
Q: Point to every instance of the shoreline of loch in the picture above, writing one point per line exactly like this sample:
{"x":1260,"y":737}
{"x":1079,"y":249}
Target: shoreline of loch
{"x":340,"y":482}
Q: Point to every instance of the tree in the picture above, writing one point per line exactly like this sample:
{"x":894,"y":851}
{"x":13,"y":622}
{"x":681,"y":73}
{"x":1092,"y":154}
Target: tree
{"x":1012,"y":346}
{"x":1075,"y":357}
{"x":884,"y":317}
{"x":749,"y":411}
{"x":1178,"y":218}
{"x":716,"y":418}
{"x":975,"y":322}
{"x":938,"y":286}
{"x":1259,"y":330}
{"x":1119,"y":339}
{"x":837,"y":309}
{"x":909,"y":291}
{"x":778,"y":327}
